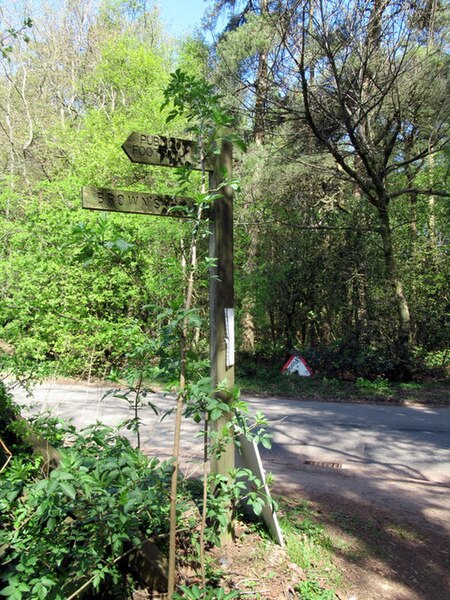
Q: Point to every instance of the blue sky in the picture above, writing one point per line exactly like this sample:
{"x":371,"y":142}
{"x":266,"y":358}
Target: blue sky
{"x":182,"y":16}
{"x":179,"y":16}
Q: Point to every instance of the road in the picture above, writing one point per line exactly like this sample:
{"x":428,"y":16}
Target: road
{"x":394,"y":457}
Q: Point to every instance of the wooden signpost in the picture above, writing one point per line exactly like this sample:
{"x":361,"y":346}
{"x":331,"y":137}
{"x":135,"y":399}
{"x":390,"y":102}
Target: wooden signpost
{"x":173,"y":152}
{"x":221,"y":295}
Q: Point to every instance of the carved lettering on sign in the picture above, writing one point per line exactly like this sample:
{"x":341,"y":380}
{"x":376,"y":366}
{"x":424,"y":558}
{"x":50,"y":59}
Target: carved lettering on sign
{"x":163,"y":151}
{"x":135,"y":202}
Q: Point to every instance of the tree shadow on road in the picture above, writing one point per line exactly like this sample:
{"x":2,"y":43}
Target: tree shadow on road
{"x":392,"y":540}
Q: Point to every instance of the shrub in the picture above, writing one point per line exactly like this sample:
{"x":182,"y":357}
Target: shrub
{"x":71,"y":529}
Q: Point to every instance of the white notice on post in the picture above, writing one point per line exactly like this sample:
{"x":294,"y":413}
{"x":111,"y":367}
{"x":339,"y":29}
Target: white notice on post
{"x":229,"y":336}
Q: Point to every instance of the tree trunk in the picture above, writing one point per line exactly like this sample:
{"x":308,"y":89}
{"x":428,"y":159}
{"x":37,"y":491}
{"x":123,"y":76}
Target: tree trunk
{"x":431,"y":204}
{"x":403,"y":341}
{"x":413,"y":221}
{"x":261,"y":88}
{"x":259,"y":134}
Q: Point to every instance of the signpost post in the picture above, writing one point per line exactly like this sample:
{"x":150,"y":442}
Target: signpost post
{"x":221,"y":297}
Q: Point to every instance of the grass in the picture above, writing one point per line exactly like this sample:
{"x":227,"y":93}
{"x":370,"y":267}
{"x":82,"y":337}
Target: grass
{"x":311,"y":590}
{"x":404,"y":533}
{"x":335,"y":551}
{"x":309,"y":547}
{"x":260,"y":566}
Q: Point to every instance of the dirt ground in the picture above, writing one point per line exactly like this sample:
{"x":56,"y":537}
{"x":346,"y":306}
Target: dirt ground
{"x":375,"y":555}
{"x":380,"y":556}
{"x":389,"y":541}
{"x":386,"y":555}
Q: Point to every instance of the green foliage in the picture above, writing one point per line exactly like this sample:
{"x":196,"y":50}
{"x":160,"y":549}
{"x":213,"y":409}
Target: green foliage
{"x":437,"y":359}
{"x":81,"y":286}
{"x":7,"y":406}
{"x":75,"y":282}
{"x":203,"y":403}
{"x":308,"y":546}
{"x":11,"y":34}
{"x":310,"y":270}
{"x":194,"y":97}
{"x":101,"y":500}
{"x":379,"y":386}
{"x":239,"y":487}
{"x":312,"y":590}
{"x":305,"y":537}
{"x":70,"y":530}
{"x":194,"y":592}
{"x":352,"y":357}
{"x":21,"y":470}
{"x":196,"y":100}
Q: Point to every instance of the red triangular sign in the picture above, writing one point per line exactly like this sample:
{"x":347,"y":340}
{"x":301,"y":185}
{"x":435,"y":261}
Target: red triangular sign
{"x":297,"y":364}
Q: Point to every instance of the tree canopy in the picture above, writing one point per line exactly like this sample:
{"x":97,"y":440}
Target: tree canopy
{"x":341,"y":224}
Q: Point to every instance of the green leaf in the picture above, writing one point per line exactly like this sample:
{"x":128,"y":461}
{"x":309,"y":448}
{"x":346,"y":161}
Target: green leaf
{"x":215,"y":414}
{"x":40,"y":590}
{"x":68,"y":489}
{"x":257,"y":505}
{"x":8,"y":590}
{"x":14,"y":589}
{"x":267,"y":443}
{"x":63,"y":475}
{"x":171,"y":116}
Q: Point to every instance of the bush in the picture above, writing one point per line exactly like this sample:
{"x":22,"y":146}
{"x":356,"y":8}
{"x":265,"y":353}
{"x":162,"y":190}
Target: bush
{"x":71,"y":529}
{"x":259,"y":366}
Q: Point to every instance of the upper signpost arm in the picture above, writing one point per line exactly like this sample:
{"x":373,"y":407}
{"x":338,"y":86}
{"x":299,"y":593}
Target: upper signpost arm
{"x":163,"y":151}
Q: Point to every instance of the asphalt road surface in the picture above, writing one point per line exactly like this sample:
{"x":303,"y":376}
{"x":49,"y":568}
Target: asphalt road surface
{"x":394,"y":457}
